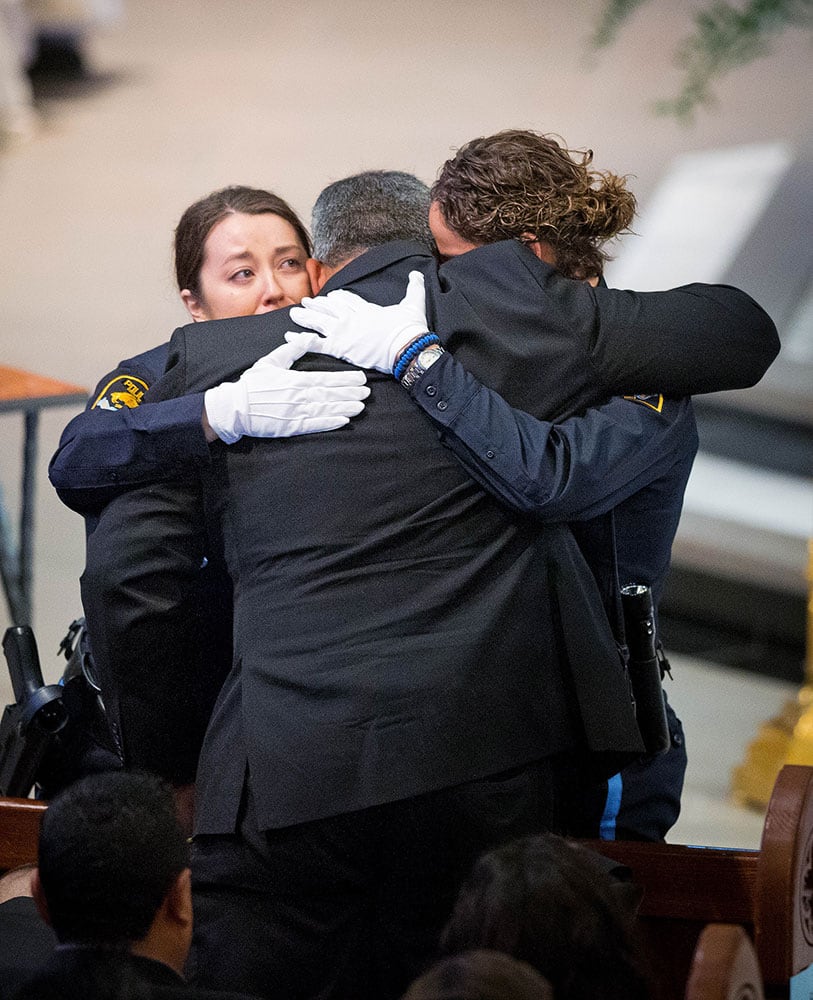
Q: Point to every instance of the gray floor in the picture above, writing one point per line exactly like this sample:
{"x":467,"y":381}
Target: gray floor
{"x":194,"y":95}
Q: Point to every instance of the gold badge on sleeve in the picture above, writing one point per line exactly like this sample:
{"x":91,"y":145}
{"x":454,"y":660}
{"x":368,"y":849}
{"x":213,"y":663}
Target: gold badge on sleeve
{"x":654,"y":402}
{"x":121,"y":391}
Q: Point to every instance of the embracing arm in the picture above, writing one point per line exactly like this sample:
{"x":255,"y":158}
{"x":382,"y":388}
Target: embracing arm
{"x":120,"y":441}
{"x":572,"y":470}
{"x":578,"y":468}
{"x":685,"y":341}
{"x":161,"y":431}
{"x":103,"y":452}
{"x":694,"y":339}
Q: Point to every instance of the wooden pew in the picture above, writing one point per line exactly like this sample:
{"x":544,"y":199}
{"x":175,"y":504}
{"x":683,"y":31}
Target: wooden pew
{"x":769,"y":892}
{"x":724,"y":966}
{"x":19,"y":831}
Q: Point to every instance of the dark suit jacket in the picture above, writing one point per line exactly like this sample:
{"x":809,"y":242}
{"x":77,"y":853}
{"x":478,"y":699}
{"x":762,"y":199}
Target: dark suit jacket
{"x":97,"y":974}
{"x":396,"y":631}
{"x":26,"y":942}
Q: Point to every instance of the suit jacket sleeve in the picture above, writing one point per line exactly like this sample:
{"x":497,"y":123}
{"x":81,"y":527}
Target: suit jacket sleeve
{"x":576,"y":469}
{"x":172,"y":382}
{"x":682,"y":342}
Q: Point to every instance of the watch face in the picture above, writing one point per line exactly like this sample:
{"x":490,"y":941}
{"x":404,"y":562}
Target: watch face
{"x":428,"y":356}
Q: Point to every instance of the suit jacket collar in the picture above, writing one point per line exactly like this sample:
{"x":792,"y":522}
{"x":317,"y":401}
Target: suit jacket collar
{"x":74,"y":958}
{"x":375,"y":259}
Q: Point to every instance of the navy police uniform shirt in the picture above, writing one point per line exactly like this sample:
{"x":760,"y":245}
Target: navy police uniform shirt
{"x":116,"y":442}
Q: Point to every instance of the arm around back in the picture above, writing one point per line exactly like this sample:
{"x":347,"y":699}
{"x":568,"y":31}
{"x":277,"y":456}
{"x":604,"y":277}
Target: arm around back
{"x":101,"y":453}
{"x":516,"y":323}
{"x":575,"y":469}
{"x":685,"y":341}
{"x":119,"y":442}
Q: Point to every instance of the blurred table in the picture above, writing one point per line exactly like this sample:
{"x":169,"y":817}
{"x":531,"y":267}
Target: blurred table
{"x":27,"y":393}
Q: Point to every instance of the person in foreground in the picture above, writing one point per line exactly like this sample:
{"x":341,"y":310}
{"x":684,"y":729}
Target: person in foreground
{"x":113,"y":882}
{"x":26,"y":941}
{"x":555,"y":905}
{"x":480,"y":974}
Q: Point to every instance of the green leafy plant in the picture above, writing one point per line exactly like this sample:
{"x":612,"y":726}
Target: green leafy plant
{"x":724,"y":38}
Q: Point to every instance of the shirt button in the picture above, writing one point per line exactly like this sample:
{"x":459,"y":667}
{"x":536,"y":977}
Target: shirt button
{"x":442,"y":404}
{"x":489,"y":454}
{"x":431,"y":390}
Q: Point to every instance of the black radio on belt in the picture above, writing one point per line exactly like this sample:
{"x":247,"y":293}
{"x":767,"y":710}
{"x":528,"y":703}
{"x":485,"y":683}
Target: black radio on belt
{"x":644,"y":666}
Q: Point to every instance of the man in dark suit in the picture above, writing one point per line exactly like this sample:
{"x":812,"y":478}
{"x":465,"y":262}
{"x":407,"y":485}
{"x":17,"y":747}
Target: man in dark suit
{"x":417,"y":673}
{"x":26,"y":941}
{"x":113,"y":882}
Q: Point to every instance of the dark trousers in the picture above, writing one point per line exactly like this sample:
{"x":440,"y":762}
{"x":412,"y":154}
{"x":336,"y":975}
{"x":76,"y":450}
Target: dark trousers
{"x":352,"y":906}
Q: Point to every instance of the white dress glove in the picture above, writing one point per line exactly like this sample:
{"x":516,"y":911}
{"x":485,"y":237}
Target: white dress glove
{"x":360,"y":332}
{"x":271,"y":400}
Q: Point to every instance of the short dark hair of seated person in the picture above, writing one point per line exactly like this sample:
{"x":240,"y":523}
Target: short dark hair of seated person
{"x":26,"y":941}
{"x":480,"y":975}
{"x":555,"y":905}
{"x":110,"y":850}
{"x":114,"y":883}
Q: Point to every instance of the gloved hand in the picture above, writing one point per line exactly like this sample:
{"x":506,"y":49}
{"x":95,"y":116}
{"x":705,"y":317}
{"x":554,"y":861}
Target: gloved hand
{"x":271,"y":400}
{"x":360,"y":332}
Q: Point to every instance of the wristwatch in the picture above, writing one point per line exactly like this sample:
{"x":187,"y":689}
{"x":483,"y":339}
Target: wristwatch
{"x":421,"y":363}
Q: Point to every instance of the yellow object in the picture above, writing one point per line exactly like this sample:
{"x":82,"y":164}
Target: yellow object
{"x":785,"y":739}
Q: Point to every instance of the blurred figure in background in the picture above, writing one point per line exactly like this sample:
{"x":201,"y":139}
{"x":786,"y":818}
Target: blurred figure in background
{"x":18,"y":118}
{"x":44,"y":42}
{"x":61,"y":31}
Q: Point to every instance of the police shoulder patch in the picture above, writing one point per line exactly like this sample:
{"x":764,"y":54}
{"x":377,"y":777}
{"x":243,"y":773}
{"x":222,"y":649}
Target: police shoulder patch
{"x":121,"y":391}
{"x":654,"y":402}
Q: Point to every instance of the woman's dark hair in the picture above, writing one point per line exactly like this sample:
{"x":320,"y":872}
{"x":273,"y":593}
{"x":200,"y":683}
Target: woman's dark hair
{"x":199,"y":219}
{"x":516,"y":182}
{"x":550,"y":903}
{"x":480,"y":975}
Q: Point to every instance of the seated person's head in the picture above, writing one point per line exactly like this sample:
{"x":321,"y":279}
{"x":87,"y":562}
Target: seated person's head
{"x":111,"y":858}
{"x":529,"y":187}
{"x":554,"y":905}
{"x":480,"y":975}
{"x":240,"y":251}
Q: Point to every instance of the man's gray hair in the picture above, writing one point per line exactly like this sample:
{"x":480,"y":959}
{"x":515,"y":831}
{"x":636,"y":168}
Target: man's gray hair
{"x":368,"y":210}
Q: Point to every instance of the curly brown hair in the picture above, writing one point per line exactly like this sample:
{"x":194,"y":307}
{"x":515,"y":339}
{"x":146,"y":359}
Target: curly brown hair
{"x":518,"y":182}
